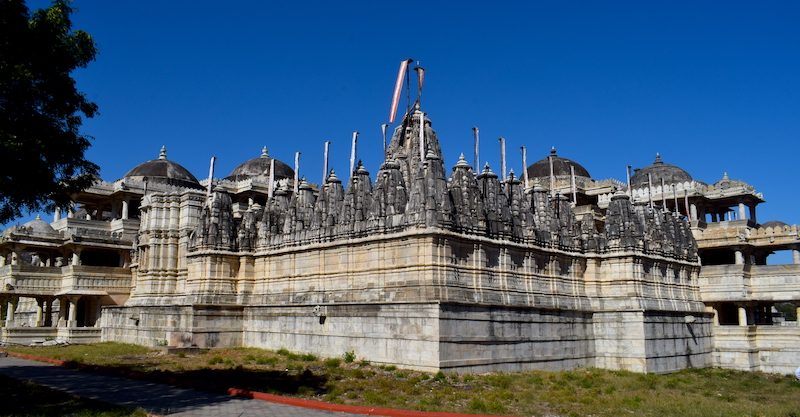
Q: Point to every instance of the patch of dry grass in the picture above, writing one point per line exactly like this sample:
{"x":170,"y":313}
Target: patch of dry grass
{"x":582,"y":392}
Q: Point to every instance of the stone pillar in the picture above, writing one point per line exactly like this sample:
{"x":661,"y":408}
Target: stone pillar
{"x":742,"y":214}
{"x":693,"y":211}
{"x":76,"y":257}
{"x":796,"y":256}
{"x":738,"y":257}
{"x":57,"y":214}
{"x":797,"y":314}
{"x":3,"y":259}
{"x":716,"y":316}
{"x":124,"y":209}
{"x":48,"y":316}
{"x":39,"y":312}
{"x":742,"y":316}
{"x":14,"y":258}
{"x":11,"y":307}
{"x":72,"y":320}
{"x":63,"y":307}
{"x":98,"y":311}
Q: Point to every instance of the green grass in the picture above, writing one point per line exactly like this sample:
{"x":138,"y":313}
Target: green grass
{"x":24,"y":399}
{"x":580,"y":392}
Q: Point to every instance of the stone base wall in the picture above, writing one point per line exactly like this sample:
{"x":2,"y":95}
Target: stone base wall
{"x":429,"y":336}
{"x":178,"y":326}
{"x":482,"y":339}
{"x":677,"y":341}
{"x":404,"y":335}
{"x":773,"y":349}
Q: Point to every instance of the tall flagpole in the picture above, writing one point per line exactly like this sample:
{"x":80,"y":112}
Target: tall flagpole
{"x":476,"y":142}
{"x":296,"y":172}
{"x":271,"y":177}
{"x":398,"y":88}
{"x":524,"y":165}
{"x":502,"y":158}
{"x":383,"y":128}
{"x":210,"y":177}
{"x":325,"y":163}
{"x":353,"y":153}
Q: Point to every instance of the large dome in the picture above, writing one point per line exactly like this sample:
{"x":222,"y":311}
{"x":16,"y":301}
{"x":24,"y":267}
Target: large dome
{"x":561,"y":168}
{"x":658,"y":170}
{"x":260,"y":166}
{"x":164,"y":171}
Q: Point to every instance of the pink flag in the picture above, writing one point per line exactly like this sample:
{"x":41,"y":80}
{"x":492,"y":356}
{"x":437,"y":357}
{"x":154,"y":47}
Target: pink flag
{"x":398,"y":87}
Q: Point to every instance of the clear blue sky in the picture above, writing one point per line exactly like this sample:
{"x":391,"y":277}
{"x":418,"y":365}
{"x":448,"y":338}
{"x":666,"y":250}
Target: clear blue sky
{"x":714,"y":86}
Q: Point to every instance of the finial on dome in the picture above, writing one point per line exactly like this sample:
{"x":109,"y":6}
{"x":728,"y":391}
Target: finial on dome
{"x":264,"y":153}
{"x":38,"y":217}
{"x":486,"y":167}
{"x":163,"y":154}
{"x":462,"y":161}
{"x":658,"y":159}
{"x":553,"y":151}
{"x":725,"y":176}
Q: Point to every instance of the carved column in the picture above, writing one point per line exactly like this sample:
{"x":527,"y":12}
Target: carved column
{"x":72,"y":320}
{"x":738,"y":257}
{"x":124,"y":209}
{"x":39,"y":312}
{"x":48,"y":317}
{"x":742,"y":214}
{"x":10,"y":309}
{"x":742,"y":316}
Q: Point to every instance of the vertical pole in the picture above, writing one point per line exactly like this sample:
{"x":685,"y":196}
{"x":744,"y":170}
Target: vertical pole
{"x":650,"y":188}
{"x":210,"y":177}
{"x":552,"y":175}
{"x":663,"y":196}
{"x":325,"y":163}
{"x":476,"y":143}
{"x":502,"y":158}
{"x":296,"y":172}
{"x":353,"y":153}
{"x":383,"y":128}
{"x":271,"y":177}
{"x":574,"y":186}
{"x":630,"y":191}
{"x":422,"y":136}
{"x":524,"y":165}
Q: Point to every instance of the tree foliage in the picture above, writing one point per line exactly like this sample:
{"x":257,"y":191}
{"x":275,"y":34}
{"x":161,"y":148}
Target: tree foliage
{"x":41,"y":149}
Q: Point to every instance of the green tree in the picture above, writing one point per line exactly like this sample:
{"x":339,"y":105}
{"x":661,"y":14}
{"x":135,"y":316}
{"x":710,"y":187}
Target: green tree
{"x":41,"y":149}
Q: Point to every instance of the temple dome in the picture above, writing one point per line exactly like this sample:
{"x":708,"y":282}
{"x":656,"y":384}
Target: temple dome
{"x":774,"y":223}
{"x":561,"y":168}
{"x":164,"y":171}
{"x":39,"y":227}
{"x":260,"y":167}
{"x":658,"y":170}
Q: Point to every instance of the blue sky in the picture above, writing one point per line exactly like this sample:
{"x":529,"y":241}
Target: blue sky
{"x":714,"y":86}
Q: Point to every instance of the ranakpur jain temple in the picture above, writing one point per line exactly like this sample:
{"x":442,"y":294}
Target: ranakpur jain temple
{"x":422,"y":265}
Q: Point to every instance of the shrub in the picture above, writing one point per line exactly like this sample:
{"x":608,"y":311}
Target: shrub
{"x":272,"y":360}
{"x":333,"y":362}
{"x":349,"y":356}
{"x":215,"y":360}
{"x":181,"y":354}
{"x":309,"y":357}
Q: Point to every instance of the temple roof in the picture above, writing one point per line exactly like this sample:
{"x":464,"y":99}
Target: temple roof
{"x":561,"y":167}
{"x":260,"y":166}
{"x":658,"y":170}
{"x":164,"y":171}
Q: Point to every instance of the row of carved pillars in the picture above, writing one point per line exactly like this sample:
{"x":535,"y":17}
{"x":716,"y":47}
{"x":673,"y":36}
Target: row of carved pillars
{"x":746,"y":314}
{"x":67,"y":312}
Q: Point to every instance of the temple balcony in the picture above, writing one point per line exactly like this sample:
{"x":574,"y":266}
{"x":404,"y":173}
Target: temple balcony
{"x":24,"y":280}
{"x":774,"y":283}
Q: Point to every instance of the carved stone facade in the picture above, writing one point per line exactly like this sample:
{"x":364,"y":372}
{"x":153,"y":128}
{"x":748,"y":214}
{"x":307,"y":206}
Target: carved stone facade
{"x":420,"y":268}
